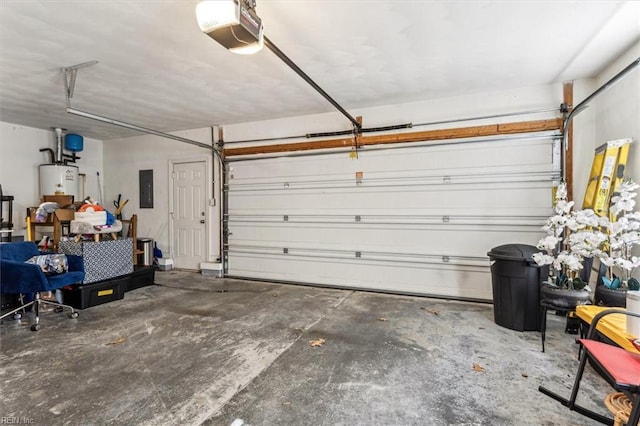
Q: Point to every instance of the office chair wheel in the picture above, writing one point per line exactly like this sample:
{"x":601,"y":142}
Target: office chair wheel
{"x":74,"y":315}
{"x":35,"y":327}
{"x":17,"y":316}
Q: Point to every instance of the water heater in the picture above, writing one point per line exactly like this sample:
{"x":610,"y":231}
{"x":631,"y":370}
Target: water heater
{"x":59,"y":179}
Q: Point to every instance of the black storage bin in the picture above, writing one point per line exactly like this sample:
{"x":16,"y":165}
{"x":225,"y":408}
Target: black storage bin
{"x":84,"y":296}
{"x":8,"y":302}
{"x":516,"y":282}
{"x":141,"y":276}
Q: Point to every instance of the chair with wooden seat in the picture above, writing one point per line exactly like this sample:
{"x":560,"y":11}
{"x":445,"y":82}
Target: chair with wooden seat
{"x":132,"y":232}
{"x":619,"y":367}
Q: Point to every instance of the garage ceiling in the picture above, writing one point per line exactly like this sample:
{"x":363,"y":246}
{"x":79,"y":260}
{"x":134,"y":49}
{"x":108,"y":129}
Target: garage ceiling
{"x":156,"y":69}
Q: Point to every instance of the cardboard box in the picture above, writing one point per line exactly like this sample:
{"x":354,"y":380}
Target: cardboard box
{"x":63,"y":201}
{"x":63,"y":215}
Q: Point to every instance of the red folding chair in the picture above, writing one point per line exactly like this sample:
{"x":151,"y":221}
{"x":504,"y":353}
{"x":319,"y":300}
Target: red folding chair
{"x":619,"y":367}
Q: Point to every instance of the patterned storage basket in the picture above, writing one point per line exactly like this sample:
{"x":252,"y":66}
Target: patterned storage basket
{"x":102,"y":259}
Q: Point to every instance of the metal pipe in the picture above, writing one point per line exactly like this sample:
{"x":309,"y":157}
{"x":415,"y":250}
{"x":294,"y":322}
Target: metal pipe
{"x":484,"y":117}
{"x":224,"y":254}
{"x":141,"y":129}
{"x":582,"y":105}
{"x":268,"y":139}
{"x":324,"y":134}
{"x":396,"y":127}
{"x":585,"y":103}
{"x":370,"y":148}
{"x":58,"y":145}
{"x":219,"y":204}
{"x":280,"y":54}
{"x":363,"y":130}
{"x":52,"y":157}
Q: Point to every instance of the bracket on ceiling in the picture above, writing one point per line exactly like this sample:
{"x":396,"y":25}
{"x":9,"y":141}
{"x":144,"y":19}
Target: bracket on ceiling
{"x":70,"y":76}
{"x":70,"y":81}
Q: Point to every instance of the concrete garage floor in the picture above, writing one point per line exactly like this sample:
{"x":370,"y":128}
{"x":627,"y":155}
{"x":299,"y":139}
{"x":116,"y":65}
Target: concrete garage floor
{"x":196,"y":350}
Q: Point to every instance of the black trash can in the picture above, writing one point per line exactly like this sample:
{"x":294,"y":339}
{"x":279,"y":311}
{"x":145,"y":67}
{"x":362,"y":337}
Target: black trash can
{"x":516,"y":279}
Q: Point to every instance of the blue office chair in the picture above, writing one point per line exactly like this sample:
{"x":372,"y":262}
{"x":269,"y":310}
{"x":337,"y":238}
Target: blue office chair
{"x":18,"y":277}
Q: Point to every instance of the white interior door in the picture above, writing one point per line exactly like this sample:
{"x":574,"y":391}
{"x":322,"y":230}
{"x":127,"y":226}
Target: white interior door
{"x":189,"y":214}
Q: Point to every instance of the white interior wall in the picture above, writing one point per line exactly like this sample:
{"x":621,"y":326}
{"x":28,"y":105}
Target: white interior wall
{"x":618,"y":108}
{"x":618,"y":114}
{"x":614,"y":114}
{"x":452,"y":108}
{"x":19,"y":161}
{"x":125,"y":157}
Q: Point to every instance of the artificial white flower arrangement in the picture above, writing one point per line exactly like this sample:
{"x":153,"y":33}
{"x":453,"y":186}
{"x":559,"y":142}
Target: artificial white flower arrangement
{"x":623,"y":235}
{"x":573,"y":236}
{"x":564,"y":253}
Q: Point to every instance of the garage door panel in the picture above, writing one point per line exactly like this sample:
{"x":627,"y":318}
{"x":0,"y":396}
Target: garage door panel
{"x":495,"y":197}
{"x":411,"y":220}
{"x":426,"y":279}
{"x":496,"y":156}
{"x":387,"y":214}
{"x":462,"y":240}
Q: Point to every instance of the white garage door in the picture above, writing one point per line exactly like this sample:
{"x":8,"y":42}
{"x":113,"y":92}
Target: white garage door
{"x":414,"y":219}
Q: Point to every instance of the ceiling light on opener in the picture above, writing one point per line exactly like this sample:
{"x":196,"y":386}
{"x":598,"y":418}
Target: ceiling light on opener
{"x":232,"y":23}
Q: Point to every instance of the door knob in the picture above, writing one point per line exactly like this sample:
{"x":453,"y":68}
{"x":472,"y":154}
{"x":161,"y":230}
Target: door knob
{"x":202,"y":221}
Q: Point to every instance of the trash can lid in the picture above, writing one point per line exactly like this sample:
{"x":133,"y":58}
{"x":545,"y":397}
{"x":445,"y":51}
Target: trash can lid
{"x":145,"y":240}
{"x":522,"y":252}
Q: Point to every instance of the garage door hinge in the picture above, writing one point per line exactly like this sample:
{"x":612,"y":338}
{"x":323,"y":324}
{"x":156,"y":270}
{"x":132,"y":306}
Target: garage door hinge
{"x":445,"y":259}
{"x":446,"y":179}
{"x":285,"y":250}
{"x":358,"y":254}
